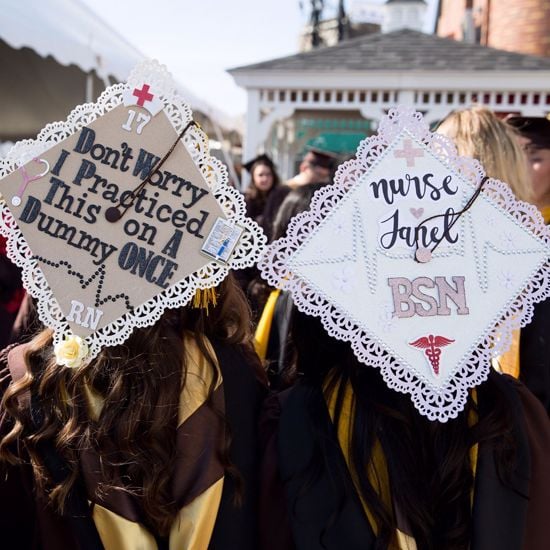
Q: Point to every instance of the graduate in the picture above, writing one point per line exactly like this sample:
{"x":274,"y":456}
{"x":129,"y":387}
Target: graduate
{"x":397,"y":433}
{"x":129,"y":421}
{"x":534,"y":342}
{"x":317,"y":167}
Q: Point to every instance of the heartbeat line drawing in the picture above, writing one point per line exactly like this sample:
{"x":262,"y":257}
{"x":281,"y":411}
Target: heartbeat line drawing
{"x":98,"y":276}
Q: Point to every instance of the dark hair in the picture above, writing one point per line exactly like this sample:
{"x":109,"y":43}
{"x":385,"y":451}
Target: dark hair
{"x":429,"y":462}
{"x":296,"y":201}
{"x":252,"y":192}
{"x":140,"y":382}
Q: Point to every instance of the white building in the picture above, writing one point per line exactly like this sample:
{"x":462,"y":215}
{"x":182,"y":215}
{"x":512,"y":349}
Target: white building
{"x":344,"y":89}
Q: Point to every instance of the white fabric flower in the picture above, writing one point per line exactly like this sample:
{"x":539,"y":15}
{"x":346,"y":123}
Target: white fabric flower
{"x":71,"y":352}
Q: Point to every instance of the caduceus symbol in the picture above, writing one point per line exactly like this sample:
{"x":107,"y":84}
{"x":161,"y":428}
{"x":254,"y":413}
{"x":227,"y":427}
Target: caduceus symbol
{"x":432,"y":348}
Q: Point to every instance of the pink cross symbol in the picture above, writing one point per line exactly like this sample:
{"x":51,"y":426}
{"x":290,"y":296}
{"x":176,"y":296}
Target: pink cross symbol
{"x":143,"y":95}
{"x":408,"y":152}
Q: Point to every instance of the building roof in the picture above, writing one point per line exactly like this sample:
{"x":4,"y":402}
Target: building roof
{"x":402,"y":50}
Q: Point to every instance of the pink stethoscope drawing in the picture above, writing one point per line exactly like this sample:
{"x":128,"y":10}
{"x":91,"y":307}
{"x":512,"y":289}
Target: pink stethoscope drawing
{"x":16,"y":199}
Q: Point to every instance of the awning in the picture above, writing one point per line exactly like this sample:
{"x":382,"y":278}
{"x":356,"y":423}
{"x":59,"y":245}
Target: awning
{"x":69,"y":32}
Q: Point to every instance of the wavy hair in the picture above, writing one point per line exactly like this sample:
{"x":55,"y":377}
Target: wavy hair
{"x":477,"y":132}
{"x":140,"y":382}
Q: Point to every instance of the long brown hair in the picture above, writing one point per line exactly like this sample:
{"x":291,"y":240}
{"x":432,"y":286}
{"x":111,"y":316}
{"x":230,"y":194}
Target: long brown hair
{"x":140,"y":382}
{"x":479,"y":133}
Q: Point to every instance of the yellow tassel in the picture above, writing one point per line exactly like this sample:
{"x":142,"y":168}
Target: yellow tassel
{"x":204,"y":297}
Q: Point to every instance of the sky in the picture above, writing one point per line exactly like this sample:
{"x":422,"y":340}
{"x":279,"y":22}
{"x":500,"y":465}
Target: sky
{"x":199,"y":40}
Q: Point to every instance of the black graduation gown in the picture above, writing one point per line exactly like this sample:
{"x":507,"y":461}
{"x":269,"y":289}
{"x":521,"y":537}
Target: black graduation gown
{"x":26,"y":523}
{"x":534,"y":353}
{"x":323,"y":512}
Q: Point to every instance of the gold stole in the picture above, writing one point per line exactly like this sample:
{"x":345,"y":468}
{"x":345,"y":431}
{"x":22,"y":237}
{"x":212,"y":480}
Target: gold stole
{"x":377,"y":470}
{"x":194,"y":524}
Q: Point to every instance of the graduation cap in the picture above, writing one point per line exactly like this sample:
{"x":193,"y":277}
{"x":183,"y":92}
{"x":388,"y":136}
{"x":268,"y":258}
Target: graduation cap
{"x":119,"y":213}
{"x":322,"y":158}
{"x":263,"y":159}
{"x":535,"y":129}
{"x":426,"y":279}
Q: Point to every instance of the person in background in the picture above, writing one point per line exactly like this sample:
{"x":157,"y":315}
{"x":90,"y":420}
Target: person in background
{"x":317,"y":166}
{"x":534,"y":342}
{"x":535,"y":134}
{"x":479,"y":133}
{"x":351,"y":464}
{"x":263,"y":181}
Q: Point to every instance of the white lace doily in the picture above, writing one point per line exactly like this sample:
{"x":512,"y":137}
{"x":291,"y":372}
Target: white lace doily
{"x":246,"y":253}
{"x":437,"y":403}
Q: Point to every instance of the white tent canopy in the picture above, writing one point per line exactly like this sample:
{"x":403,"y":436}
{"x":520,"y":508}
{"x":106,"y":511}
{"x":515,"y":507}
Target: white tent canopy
{"x":72,"y":34}
{"x":69,"y":32}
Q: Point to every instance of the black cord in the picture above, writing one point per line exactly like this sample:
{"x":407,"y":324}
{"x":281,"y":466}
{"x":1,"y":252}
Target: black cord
{"x":456,"y":217}
{"x":113,"y":214}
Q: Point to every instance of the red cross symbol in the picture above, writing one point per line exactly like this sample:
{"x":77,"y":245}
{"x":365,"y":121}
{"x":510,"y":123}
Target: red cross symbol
{"x":408,"y":152}
{"x":143,"y":95}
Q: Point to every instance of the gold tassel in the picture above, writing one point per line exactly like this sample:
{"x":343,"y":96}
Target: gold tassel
{"x":204,"y":297}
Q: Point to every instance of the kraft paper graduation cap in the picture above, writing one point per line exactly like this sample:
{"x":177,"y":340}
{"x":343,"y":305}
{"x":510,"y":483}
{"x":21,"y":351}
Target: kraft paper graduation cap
{"x":418,"y":260}
{"x":120,"y":212}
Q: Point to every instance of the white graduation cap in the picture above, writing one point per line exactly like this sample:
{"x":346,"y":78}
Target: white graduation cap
{"x":120,"y":212}
{"x":418,"y":260}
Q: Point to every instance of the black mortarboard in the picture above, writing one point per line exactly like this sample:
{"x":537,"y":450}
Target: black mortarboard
{"x":535,"y":129}
{"x":324,"y":159}
{"x":263,"y":158}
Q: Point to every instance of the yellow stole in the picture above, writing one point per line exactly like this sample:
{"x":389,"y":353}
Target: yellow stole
{"x":194,"y":524}
{"x":377,"y":470}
